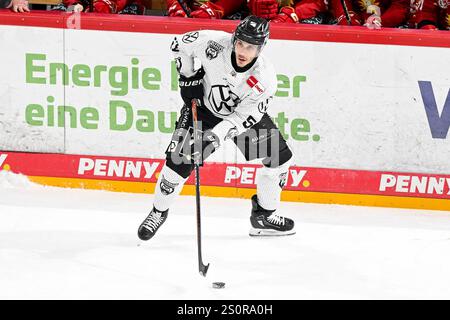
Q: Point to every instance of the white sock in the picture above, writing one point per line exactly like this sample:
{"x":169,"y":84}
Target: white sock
{"x":167,"y":188}
{"x":269,"y":183}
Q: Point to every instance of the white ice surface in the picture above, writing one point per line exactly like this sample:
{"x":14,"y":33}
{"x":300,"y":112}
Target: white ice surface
{"x":81,"y":244}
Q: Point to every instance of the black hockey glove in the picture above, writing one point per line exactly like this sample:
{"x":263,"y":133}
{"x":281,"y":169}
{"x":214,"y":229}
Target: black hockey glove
{"x":209,"y":143}
{"x":192,"y":87}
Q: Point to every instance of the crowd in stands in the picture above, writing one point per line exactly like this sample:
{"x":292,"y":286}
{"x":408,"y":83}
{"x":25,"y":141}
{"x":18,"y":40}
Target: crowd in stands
{"x":374,"y":14}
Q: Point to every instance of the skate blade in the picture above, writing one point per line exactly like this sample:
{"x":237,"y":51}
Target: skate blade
{"x":269,"y":233}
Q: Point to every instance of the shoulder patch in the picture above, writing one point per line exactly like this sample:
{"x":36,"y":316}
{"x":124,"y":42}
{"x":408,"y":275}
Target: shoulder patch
{"x":190,"y":37}
{"x":213,"y":49}
{"x":255,"y":85}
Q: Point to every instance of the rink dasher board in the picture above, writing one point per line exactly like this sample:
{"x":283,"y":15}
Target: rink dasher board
{"x":349,"y":99}
{"x":303,"y":184}
{"x":383,"y":107}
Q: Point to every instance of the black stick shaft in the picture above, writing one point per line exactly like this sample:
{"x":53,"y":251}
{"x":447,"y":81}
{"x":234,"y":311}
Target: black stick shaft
{"x":347,"y":14}
{"x":201,"y":266}
{"x":199,"y":222}
{"x":185,"y":7}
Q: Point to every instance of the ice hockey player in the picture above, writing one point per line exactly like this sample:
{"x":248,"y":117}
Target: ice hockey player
{"x":234,"y":85}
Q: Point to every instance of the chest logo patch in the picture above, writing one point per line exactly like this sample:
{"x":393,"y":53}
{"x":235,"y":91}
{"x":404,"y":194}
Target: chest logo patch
{"x":223,"y":100}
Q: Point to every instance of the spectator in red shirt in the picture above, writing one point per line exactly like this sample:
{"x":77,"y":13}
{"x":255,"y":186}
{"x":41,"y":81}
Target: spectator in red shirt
{"x":267,"y":9}
{"x":338,"y":12}
{"x":104,"y":6}
{"x":423,"y":14}
{"x":204,"y":10}
{"x":392,"y":13}
{"x":302,"y":11}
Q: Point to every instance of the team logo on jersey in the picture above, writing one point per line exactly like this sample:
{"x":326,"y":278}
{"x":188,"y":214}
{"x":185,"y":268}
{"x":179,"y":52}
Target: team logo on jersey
{"x":213,"y":49}
{"x":255,"y":85}
{"x":223,"y":100}
{"x":264,"y":105}
{"x":443,"y":4}
{"x":283,"y":180}
{"x":190,"y":37}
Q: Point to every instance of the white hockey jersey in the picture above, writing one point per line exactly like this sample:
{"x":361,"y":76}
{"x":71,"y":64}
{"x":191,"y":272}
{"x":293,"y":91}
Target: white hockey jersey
{"x":239,"y":97}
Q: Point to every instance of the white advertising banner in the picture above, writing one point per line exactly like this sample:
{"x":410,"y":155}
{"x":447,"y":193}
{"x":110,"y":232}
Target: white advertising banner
{"x":340,"y":105}
{"x":27,"y":122}
{"x":375,"y":107}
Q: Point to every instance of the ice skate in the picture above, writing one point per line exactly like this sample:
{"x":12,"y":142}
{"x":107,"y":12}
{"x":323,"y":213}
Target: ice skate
{"x":267,"y":223}
{"x":151,"y":224}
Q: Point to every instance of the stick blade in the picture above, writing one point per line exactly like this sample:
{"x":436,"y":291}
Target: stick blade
{"x":203,"y":269}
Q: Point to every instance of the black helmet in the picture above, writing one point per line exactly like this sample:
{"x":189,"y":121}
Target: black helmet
{"x":253,"y":29}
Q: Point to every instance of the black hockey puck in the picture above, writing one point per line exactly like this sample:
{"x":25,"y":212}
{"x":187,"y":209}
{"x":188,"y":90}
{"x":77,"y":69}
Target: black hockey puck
{"x":218,"y":285}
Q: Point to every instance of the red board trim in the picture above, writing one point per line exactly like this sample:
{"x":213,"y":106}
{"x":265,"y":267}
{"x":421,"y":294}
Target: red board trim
{"x":241,"y":176}
{"x":166,"y":25}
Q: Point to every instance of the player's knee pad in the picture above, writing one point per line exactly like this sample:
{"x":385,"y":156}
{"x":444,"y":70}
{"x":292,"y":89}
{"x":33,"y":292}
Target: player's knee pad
{"x":183,"y":169}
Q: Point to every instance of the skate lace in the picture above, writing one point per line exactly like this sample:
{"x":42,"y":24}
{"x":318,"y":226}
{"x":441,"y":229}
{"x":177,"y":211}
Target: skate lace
{"x":273,"y":218}
{"x":153,"y":221}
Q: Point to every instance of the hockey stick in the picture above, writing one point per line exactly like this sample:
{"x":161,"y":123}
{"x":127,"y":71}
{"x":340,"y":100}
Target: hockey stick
{"x":185,"y":7}
{"x":201,"y":267}
{"x":347,"y":14}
